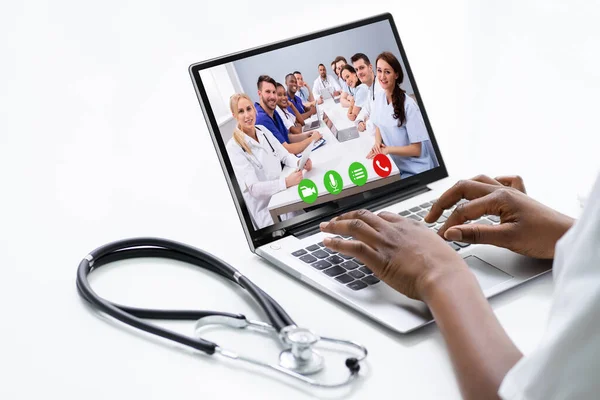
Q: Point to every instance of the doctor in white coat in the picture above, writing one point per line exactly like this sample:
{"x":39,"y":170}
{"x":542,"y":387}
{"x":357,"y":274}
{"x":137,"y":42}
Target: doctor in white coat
{"x":257,"y":158}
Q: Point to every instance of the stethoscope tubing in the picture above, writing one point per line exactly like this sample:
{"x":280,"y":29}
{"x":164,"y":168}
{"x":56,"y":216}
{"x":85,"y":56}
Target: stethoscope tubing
{"x":163,"y":248}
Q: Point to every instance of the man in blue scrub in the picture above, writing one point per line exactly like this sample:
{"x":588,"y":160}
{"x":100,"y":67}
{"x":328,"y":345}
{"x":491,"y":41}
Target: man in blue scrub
{"x":292,"y":88}
{"x":267,"y":117}
{"x":304,"y":91}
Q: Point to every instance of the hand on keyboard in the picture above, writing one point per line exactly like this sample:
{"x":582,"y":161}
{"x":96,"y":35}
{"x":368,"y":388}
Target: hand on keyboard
{"x":527,"y":226}
{"x":402,"y":252}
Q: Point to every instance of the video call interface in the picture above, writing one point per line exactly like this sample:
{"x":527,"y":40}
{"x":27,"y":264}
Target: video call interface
{"x":305,"y":124}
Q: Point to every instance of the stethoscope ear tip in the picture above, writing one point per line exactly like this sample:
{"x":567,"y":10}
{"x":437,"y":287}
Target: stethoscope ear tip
{"x":353,"y":365}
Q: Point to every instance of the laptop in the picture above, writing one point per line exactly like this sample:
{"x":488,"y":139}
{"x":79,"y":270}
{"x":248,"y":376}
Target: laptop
{"x":288,"y":236}
{"x":342,"y":135}
{"x":313,"y":123}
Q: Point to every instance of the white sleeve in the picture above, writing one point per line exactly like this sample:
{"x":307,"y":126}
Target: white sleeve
{"x":316,"y":91}
{"x":246,"y":175}
{"x":335,"y":84}
{"x":415,"y":126}
{"x":565,"y":364}
{"x":362,"y":96}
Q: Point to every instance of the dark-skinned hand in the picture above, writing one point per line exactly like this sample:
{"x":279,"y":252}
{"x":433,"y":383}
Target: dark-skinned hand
{"x":526,"y":226}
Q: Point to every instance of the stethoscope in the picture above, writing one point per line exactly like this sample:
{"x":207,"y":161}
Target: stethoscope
{"x":252,"y":158}
{"x":297,"y":358}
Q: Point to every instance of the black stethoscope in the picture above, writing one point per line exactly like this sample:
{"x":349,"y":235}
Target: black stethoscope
{"x":297,"y":358}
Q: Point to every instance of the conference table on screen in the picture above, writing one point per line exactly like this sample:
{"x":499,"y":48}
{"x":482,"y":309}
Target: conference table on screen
{"x":333,"y":155}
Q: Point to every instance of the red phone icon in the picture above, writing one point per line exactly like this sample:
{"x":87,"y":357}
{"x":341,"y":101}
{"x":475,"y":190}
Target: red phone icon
{"x":382,"y":165}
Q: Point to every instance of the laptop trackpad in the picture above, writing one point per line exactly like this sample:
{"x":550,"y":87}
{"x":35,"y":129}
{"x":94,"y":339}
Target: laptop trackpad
{"x":486,"y":274}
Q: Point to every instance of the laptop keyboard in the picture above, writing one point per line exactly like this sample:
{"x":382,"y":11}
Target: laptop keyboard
{"x":354,"y":274}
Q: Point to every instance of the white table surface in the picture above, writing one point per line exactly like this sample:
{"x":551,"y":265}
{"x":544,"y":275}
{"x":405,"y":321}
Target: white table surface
{"x":102,"y":137}
{"x":333,"y":155}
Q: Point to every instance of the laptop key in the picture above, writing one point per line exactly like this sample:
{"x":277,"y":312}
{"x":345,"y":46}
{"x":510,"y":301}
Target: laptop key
{"x":349,"y":265}
{"x":308,"y":258}
{"x":370,"y":280}
{"x":454,"y":246}
{"x":344,"y":278}
{"x":320,"y":254}
{"x":321,"y":264}
{"x":330,"y":251}
{"x":299,"y":253}
{"x":357,"y":285}
{"x":404,"y":213}
{"x":425,"y":205}
{"x":365,"y":270}
{"x":356,"y":274}
{"x":334,"y":271}
{"x":483,"y":222}
{"x":442,"y":219}
{"x":313,"y":247}
{"x":335,"y":259}
{"x":356,"y":260}
{"x":494,"y":218}
{"x":423,"y":213}
{"x":415,"y":209}
{"x":345,"y":256}
{"x":321,"y":244}
{"x":462,"y":244}
{"x":415,"y":217}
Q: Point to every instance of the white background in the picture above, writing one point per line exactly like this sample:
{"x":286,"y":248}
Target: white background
{"x":102,"y":137}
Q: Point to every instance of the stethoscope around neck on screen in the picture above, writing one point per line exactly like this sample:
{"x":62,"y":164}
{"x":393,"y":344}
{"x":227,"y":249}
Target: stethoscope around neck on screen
{"x":252,"y":158}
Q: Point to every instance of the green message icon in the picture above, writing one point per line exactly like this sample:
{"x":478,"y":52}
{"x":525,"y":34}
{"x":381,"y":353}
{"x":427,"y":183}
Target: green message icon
{"x":333,"y":182}
{"x":308,"y":191}
{"x":358,"y":173}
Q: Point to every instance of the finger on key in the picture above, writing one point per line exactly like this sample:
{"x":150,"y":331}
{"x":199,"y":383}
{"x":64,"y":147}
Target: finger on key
{"x":365,"y":215}
{"x":463,"y":189}
{"x":498,"y":235}
{"x":513,"y":181}
{"x":486,"y":179}
{"x":356,"y":228}
{"x":390,"y":217}
{"x":356,"y":249}
{"x":469,"y":211}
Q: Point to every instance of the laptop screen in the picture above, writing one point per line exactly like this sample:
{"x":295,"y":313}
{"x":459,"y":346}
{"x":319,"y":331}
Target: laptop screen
{"x":346,"y":95}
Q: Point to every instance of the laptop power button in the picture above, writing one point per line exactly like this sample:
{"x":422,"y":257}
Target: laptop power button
{"x":275,"y":247}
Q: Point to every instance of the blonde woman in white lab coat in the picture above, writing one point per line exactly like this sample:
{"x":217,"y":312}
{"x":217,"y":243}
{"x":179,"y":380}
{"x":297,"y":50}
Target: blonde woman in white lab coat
{"x":256,"y":156}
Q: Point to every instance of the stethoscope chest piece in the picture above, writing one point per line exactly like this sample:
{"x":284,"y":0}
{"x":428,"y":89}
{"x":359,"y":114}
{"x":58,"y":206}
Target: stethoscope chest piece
{"x":300,"y":357}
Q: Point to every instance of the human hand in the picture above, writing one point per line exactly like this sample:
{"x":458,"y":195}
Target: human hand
{"x":403,"y":253}
{"x":526,"y":226}
{"x":376,"y":149}
{"x":308,"y":165}
{"x":320,"y":99}
{"x":293,"y":179}
{"x":315,"y":135}
{"x":362,"y":126}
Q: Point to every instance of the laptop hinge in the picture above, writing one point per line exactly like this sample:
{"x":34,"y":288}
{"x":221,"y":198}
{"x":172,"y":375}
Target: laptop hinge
{"x":375,"y":204}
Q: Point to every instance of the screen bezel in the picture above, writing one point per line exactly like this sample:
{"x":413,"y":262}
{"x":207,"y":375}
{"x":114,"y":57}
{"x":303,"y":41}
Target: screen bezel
{"x":257,"y":238}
